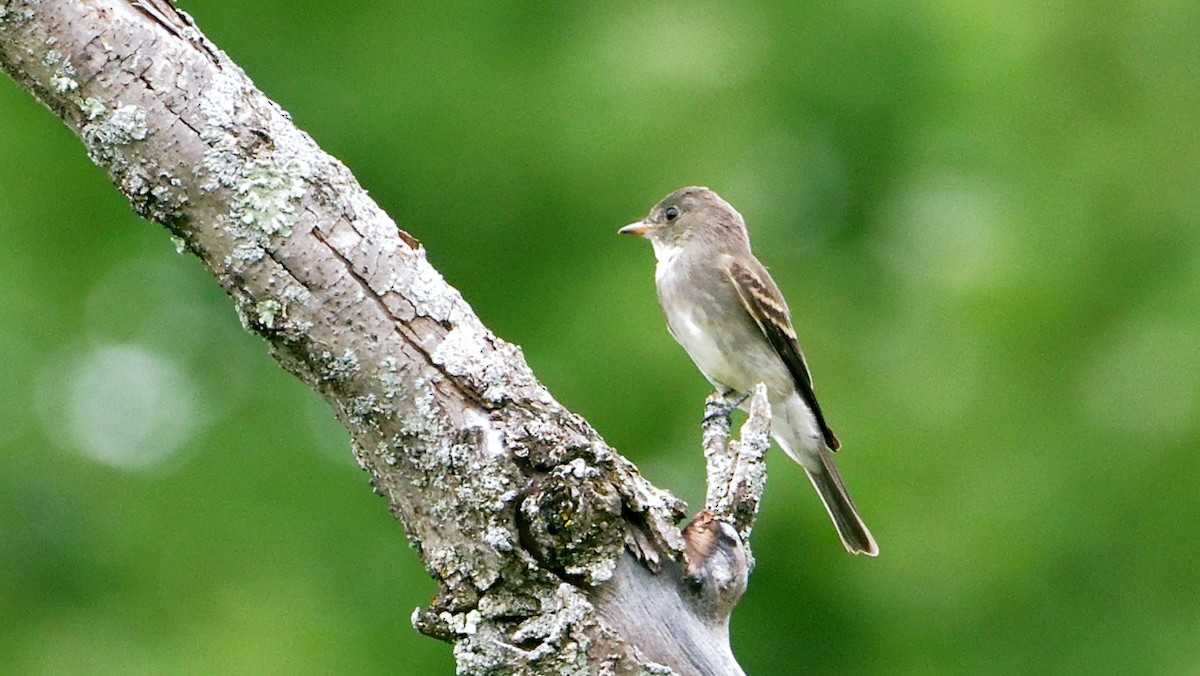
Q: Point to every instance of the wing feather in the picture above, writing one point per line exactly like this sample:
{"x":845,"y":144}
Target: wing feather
{"x":765,"y":305}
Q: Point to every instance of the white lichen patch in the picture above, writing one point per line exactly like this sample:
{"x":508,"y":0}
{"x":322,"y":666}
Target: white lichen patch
{"x":267,"y":189}
{"x":162,"y":192}
{"x":504,"y":602}
{"x":62,"y":80}
{"x":599,"y":571}
{"x":465,"y":352}
{"x":563,"y":611}
{"x":493,"y":442}
{"x":365,"y":406}
{"x":360,"y":456}
{"x":387,"y":452}
{"x":429,"y":293}
{"x":392,"y":380}
{"x":245,"y":253}
{"x":268,"y":312}
{"x":499,"y":539}
{"x":479,"y":565}
{"x":425,"y":409}
{"x":339,"y":368}
{"x":463,"y":624}
{"x":581,"y":470}
{"x":92,"y":107}
{"x":267,"y":194}
{"x":295,"y":294}
{"x":243,"y":318}
{"x":126,"y":125}
{"x":490,"y":486}
{"x":55,"y":59}
{"x":63,"y":84}
{"x":106,"y":134}
{"x":220,"y":161}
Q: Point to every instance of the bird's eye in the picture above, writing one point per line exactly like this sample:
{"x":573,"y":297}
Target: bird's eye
{"x":672,"y":213}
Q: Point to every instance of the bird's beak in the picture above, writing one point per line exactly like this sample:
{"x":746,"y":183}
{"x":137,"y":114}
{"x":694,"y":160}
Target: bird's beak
{"x":640,"y":229}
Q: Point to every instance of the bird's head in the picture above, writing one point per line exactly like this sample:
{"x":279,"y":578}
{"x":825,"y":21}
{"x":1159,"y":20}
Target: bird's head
{"x":690,"y":215}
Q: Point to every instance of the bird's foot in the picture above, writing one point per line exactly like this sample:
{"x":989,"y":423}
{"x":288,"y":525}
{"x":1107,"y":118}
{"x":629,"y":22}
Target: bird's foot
{"x":721,"y":404}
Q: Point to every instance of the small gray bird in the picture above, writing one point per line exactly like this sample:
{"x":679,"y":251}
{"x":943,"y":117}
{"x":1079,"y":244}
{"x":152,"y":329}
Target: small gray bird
{"x":725,"y":310}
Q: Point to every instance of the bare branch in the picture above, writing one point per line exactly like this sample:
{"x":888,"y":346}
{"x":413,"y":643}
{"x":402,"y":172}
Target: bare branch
{"x":737,"y":470}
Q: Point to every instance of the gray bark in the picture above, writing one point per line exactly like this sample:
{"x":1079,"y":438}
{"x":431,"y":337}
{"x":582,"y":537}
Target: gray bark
{"x":547,"y":545}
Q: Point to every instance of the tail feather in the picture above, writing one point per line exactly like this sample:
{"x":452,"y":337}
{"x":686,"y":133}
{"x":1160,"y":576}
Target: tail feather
{"x":850,"y":526}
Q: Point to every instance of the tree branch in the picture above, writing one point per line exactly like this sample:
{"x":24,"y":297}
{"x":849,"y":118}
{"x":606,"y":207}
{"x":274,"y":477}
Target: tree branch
{"x":518,"y":508}
{"x":737,"y":470}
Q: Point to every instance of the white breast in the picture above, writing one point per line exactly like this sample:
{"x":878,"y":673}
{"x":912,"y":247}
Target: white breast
{"x":697,"y":341}
{"x":665,"y":254}
{"x":690,"y":323}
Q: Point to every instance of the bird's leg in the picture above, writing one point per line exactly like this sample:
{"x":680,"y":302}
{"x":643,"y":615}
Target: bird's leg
{"x":721,"y":403}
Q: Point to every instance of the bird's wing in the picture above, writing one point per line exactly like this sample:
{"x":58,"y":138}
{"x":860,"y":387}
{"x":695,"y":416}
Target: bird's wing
{"x":765,"y":305}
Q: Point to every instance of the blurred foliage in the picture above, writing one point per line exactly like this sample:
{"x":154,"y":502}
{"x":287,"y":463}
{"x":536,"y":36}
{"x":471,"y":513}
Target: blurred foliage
{"x":984,"y":216}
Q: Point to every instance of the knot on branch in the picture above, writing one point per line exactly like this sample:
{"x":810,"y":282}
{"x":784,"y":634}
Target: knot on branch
{"x":715,"y":565}
{"x":570,"y":521}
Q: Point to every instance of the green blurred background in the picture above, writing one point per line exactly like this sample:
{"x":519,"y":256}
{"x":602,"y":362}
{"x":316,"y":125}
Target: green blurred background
{"x":984,"y":216}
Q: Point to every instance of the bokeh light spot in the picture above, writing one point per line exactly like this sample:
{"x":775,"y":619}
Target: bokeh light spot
{"x":951,"y":229}
{"x":122,"y":405}
{"x":1145,"y":382}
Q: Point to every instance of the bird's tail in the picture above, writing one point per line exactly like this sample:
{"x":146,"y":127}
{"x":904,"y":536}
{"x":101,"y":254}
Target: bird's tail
{"x":832,"y":490}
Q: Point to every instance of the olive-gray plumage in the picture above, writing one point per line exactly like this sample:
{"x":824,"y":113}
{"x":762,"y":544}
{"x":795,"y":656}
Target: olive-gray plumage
{"x":725,"y":310}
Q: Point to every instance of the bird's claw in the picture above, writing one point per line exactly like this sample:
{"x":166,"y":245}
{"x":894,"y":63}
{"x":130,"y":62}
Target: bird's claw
{"x":721,"y":404}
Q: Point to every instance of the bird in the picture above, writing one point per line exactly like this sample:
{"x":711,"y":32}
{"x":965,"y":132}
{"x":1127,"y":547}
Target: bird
{"x":725,"y":310}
